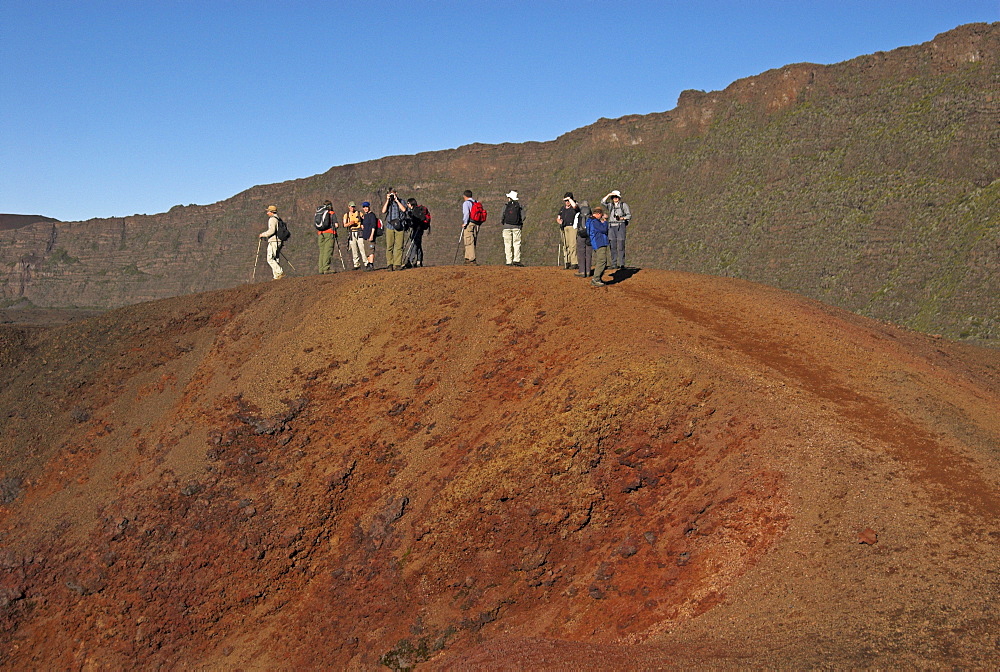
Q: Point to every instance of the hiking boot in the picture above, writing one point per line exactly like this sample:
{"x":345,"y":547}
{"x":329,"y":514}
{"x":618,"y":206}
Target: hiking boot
{"x":597,"y":283}
{"x":471,"y":262}
{"x":575,"y":266}
{"x":580,"y":274}
{"x":565,"y":267}
{"x":518,"y":263}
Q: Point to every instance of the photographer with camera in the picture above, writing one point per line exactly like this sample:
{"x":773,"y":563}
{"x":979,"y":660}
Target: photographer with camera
{"x":619,"y":216}
{"x":395,"y":230}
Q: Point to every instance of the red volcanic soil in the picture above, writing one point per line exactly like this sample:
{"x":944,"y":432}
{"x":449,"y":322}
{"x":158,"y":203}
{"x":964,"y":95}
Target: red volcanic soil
{"x":496,"y":468}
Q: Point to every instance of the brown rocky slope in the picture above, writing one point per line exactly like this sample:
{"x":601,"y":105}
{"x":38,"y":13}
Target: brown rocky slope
{"x":486,"y":468}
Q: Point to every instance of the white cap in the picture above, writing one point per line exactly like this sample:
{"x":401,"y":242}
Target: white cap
{"x":616,"y":193}
{"x":512,"y":195}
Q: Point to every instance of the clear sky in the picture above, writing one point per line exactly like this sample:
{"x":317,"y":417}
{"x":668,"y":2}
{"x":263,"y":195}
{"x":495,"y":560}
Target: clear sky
{"x":116,"y":107}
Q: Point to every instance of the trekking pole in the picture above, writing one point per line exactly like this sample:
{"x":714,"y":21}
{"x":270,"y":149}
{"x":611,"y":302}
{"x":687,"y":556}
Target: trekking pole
{"x":285,"y":257}
{"x":461,"y":235}
{"x":339,"y":253}
{"x":253,"y":276}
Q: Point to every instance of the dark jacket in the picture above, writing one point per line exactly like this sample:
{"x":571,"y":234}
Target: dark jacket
{"x":368,"y":224}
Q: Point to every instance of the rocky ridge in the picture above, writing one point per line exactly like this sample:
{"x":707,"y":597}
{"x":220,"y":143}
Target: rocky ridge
{"x":869,"y":184}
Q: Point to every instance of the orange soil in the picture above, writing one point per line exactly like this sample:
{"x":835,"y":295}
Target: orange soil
{"x":500,"y":468}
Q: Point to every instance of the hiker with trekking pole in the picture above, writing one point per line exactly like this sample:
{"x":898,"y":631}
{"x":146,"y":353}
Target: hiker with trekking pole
{"x":473,"y":216}
{"x":326,"y":232}
{"x":567,"y":220}
{"x":275,"y":235}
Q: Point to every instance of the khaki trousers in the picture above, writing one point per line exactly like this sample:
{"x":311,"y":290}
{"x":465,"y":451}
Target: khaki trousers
{"x":469,"y":236}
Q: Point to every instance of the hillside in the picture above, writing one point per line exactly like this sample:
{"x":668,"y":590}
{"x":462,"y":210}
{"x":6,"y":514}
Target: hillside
{"x":869,"y":184}
{"x":486,"y":468}
{"x":17,"y":221}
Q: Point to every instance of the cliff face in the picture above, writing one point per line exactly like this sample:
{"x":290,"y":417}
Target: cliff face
{"x":870,"y":185}
{"x":492,"y":467}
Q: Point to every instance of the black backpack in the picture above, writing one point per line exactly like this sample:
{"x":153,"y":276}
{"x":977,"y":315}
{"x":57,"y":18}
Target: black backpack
{"x":282,"y":231}
{"x":320,"y":219}
{"x":512,"y":215}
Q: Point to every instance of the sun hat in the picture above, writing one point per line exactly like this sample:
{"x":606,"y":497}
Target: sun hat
{"x":272,"y":208}
{"x":512,"y":195}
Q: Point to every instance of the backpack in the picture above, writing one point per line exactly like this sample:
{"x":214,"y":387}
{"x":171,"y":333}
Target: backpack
{"x":511,"y":215}
{"x":282,"y":231}
{"x":477,"y":215}
{"x":320,"y":219}
{"x":421,"y":217}
{"x":379,"y":229}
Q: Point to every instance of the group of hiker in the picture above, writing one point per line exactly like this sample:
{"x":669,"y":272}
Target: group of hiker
{"x":591,"y":239}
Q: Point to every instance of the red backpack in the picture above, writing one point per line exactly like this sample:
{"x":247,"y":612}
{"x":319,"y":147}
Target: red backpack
{"x":477,"y":215}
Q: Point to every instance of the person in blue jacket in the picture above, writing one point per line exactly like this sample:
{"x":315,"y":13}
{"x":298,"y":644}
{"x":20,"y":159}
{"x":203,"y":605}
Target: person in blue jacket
{"x":597,"y":228}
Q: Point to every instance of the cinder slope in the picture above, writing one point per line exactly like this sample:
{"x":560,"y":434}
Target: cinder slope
{"x":496,"y":467}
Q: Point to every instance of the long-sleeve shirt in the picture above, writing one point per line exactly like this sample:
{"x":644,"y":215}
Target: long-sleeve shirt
{"x":272,"y":228}
{"x":598,"y":231}
{"x":466,"y":212}
{"x":617,"y":214}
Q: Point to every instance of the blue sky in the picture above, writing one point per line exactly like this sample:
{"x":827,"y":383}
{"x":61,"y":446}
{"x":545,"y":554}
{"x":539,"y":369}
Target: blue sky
{"x":122,"y":107}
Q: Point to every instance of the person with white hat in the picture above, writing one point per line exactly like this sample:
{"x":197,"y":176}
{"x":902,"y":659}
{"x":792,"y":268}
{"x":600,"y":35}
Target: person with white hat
{"x":512,"y":221}
{"x":619,"y":215}
{"x":273,"y":242}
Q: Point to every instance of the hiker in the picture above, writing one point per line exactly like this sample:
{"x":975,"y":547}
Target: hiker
{"x":395,"y":230}
{"x":584,"y":252}
{"x":369,"y":224}
{"x":326,"y":234}
{"x":273,"y":244}
{"x":597,"y":227}
{"x":619,"y":216}
{"x":512,"y":220}
{"x":356,"y":241}
{"x":567,"y":220}
{"x":420,"y":223}
{"x":470,"y":225}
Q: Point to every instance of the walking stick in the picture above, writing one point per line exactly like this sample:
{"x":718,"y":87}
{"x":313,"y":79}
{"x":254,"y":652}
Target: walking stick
{"x":285,"y":256}
{"x":253,"y":277}
{"x":559,"y":255}
{"x":461,"y":235}
{"x":339,"y":253}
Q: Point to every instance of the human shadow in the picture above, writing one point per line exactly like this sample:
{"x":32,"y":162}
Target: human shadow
{"x":621,"y":275}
